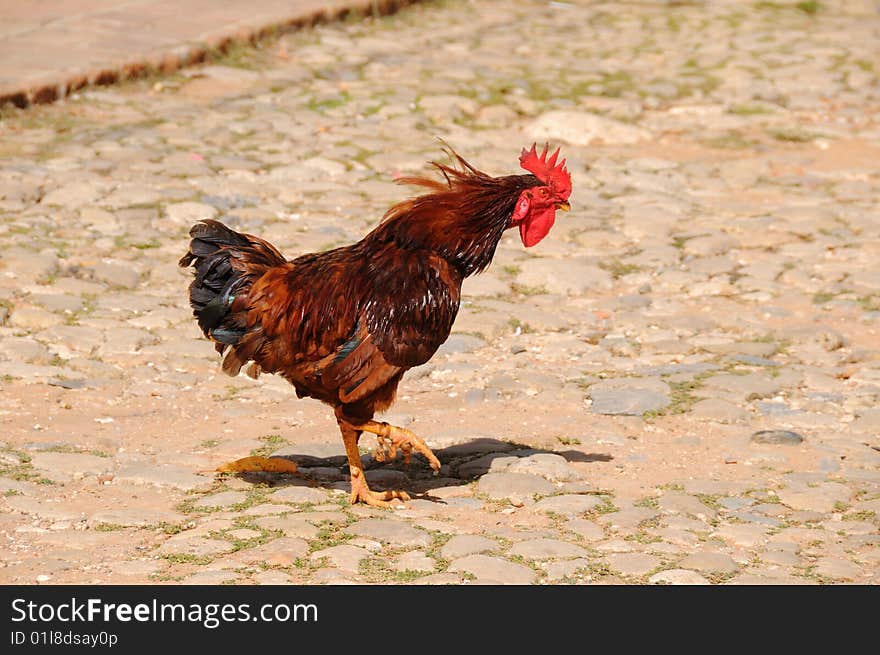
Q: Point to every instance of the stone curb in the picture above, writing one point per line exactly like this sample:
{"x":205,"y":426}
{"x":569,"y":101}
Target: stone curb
{"x":43,"y":89}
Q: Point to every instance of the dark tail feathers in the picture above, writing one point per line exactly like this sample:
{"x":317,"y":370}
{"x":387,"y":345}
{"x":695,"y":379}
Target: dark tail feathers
{"x":226,"y":264}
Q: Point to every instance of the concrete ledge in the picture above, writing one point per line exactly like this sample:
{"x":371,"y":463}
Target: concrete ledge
{"x":43,"y":59}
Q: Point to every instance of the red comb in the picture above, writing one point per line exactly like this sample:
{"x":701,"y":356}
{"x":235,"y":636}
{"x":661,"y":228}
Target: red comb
{"x":548,"y":171}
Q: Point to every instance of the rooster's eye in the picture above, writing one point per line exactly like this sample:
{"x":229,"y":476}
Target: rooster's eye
{"x":543,"y":192}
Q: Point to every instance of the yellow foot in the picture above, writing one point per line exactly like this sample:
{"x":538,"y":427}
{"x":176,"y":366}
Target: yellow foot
{"x":391,"y":438}
{"x":360,"y":492}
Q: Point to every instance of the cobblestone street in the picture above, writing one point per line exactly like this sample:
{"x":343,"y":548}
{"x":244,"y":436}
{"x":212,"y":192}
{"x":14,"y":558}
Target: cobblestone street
{"x":679,"y":385}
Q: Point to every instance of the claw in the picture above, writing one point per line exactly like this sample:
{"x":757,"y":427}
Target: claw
{"x":361,"y":492}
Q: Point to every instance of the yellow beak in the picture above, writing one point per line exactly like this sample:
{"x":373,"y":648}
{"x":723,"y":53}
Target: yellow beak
{"x":564,"y":206}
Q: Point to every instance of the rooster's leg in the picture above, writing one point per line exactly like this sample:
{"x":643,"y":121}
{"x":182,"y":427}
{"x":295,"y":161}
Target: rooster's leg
{"x":359,"y":489}
{"x":391,"y":438}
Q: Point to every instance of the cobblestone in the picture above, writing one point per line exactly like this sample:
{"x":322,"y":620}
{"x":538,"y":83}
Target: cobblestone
{"x":596,"y":407}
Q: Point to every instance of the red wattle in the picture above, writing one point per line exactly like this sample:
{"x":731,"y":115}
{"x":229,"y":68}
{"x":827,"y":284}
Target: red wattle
{"x":536,"y":227}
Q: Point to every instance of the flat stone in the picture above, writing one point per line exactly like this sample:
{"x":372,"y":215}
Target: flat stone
{"x":57,"y":302}
{"x":161,"y":475}
{"x":467,"y":544}
{"x":414,"y":561}
{"x":390,"y":531}
{"x":291,"y":525}
{"x":222,"y":499}
{"x":565,"y":568}
{"x":299,"y":495}
{"x":743,"y":535}
{"x":675,"y":502}
{"x":283,"y":551}
{"x":867,"y":420}
{"x":73,"y":465}
{"x":28,"y":264}
{"x":586,"y":529}
{"x":565,"y":277}
{"x":187,"y":213}
{"x":584,"y":128}
{"x":628,"y":519}
{"x":709,"y":563}
{"x":332,"y":576}
{"x":17,"y":486}
{"x":266,"y":509}
{"x":629,"y":396}
{"x":384,"y":478}
{"x":344,"y":557}
{"x":53,"y":511}
{"x":678,"y":577}
{"x":460,"y":343}
{"x":319,"y":517}
{"x":742,"y":387}
{"x":634,"y":564}
{"x":777,"y":437}
{"x":444,"y":578}
{"x":33,"y":318}
{"x":314,"y":452}
{"x":568,"y":505}
{"x":186,"y":544}
{"x":484,"y":285}
{"x":815,"y":499}
{"x":273,"y":578}
{"x":115,"y":275}
{"x":498,"y":486}
{"x":76,"y":194}
{"x":867,"y":279}
{"x":210,"y":578}
{"x":25,"y":349}
{"x":135,"y":518}
{"x":548,"y":465}
{"x":838,"y":568}
{"x":716,"y":409}
{"x":68,"y":339}
{"x":492,"y":462}
{"x":782,"y":558}
{"x":494,"y":570}
{"x":138,"y":567}
{"x":541,"y":549}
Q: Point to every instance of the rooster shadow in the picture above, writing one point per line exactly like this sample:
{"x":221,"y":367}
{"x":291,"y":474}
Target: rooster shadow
{"x":461,"y":464}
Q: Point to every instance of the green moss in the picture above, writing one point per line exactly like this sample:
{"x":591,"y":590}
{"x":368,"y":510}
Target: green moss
{"x":526,"y":290}
{"x":515,"y":324}
{"x":607,"y":507}
{"x":732,"y":140}
{"x":183,"y":558}
{"x":749,"y":110}
{"x":792,"y":135}
{"x":810,"y":7}
{"x":329,"y":535}
{"x":681,"y":397}
{"x":273,"y":442}
{"x":325,"y":104}
{"x":863,"y":515}
{"x":618,"y":268}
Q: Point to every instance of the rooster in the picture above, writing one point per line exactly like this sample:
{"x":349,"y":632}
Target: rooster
{"x":343,"y":326}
